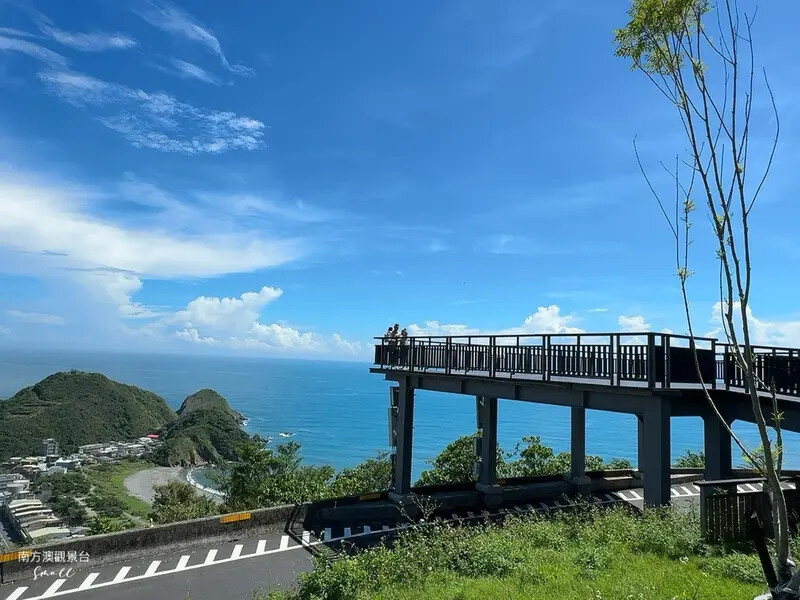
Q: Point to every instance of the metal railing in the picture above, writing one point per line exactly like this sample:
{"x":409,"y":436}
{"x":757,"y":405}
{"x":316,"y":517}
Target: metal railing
{"x":655,"y":359}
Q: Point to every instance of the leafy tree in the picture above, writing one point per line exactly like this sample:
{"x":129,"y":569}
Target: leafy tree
{"x":708,"y":76}
{"x":455,"y":463}
{"x":100,"y":524}
{"x":106,"y":506}
{"x":691,"y":459}
{"x":179,"y":501}
{"x":372,"y":475}
{"x":618,"y":463}
{"x":68,"y":509}
{"x":266,"y":477}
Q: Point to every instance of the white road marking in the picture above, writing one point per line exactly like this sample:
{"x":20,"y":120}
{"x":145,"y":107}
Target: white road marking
{"x":635,"y":495}
{"x":695,"y":489}
{"x":237,"y":551}
{"x":327,"y":535}
{"x":347,"y":532}
{"x":121,"y":574}
{"x":687,"y":490}
{"x":675,"y":493}
{"x":367,"y":529}
{"x":306,"y":538}
{"x":212,"y":554}
{"x":753,"y":488}
{"x":88,"y":581}
{"x":621,"y":495}
{"x":152,"y":568}
{"x":741,"y":489}
{"x":261,"y":547}
{"x":53,"y":588}
{"x":183,"y":562}
{"x":386,"y":528}
{"x":791,"y":485}
{"x":17,"y":593}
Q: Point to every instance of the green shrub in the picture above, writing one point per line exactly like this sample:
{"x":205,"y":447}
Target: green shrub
{"x":741,"y":567}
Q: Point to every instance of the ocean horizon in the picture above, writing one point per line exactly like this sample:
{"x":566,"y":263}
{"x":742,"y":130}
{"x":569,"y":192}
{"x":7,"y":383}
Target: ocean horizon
{"x":337,"y":410}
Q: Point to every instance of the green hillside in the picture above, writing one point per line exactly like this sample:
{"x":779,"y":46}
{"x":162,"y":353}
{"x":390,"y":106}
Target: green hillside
{"x":199,"y":436}
{"x":78,"y":408}
{"x":207,"y":399}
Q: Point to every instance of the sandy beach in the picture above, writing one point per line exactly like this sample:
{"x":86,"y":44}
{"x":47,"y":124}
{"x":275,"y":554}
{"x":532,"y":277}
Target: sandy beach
{"x":141,"y":484}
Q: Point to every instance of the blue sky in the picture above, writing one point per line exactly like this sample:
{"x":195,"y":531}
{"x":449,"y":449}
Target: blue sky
{"x":290,"y":178}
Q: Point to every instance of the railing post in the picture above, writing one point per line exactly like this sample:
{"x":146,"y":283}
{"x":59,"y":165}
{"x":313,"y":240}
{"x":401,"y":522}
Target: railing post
{"x":545,"y":358}
{"x":611,"y":358}
{"x":725,"y":373}
{"x":651,"y":360}
{"x":411,"y":355}
{"x":492,"y":355}
{"x":448,"y":359}
{"x":578,"y":362}
{"x":714,"y":354}
{"x":667,"y":343}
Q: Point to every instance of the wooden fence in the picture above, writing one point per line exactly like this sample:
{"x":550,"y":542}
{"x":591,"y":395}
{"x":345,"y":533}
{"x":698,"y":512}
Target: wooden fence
{"x":725,"y":511}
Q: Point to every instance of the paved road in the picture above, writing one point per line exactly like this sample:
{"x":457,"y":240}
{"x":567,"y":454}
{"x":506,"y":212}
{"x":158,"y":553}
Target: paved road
{"x":231,"y":570}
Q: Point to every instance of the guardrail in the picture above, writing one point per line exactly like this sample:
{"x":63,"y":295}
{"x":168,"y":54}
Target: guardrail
{"x":725,"y":511}
{"x":653,"y":359}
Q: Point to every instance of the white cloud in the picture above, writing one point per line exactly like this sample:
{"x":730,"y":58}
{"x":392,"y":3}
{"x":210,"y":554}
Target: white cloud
{"x":117,"y":289}
{"x":225,"y":316}
{"x":546,"y":319}
{"x":763,"y":332}
{"x":172,"y":19}
{"x":40,"y":219}
{"x":88,"y":42}
{"x":188,"y":70}
{"x":35,"y":317}
{"x":633,"y":324}
{"x":4,"y":330}
{"x":252,"y":205}
{"x":40,"y":53}
{"x":436,"y":328}
{"x":155,"y":119}
{"x":17,"y":33}
{"x":597,"y":310}
{"x":235,"y":323}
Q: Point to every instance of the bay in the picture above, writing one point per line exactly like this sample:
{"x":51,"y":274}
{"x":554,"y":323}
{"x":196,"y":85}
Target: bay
{"x":337,"y":410}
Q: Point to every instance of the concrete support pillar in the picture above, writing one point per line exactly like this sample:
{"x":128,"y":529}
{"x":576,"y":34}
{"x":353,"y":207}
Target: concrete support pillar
{"x":639,"y":442}
{"x":717,"y":447}
{"x":487,"y":418}
{"x":577,"y":447}
{"x":655,"y":452}
{"x":405,"y":439}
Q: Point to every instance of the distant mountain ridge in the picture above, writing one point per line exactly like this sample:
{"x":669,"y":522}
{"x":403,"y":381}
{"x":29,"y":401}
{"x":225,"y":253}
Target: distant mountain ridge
{"x":207,"y":430}
{"x":78,"y":408}
{"x":205,"y":399}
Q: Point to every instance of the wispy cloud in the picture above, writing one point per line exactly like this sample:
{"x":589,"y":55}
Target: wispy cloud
{"x":34,"y":50}
{"x":173,"y":19}
{"x":17,"y":32}
{"x":188,"y":70}
{"x":35,"y":317}
{"x":597,"y":310}
{"x":87,"y":42}
{"x":257,"y":206}
{"x":155,"y":119}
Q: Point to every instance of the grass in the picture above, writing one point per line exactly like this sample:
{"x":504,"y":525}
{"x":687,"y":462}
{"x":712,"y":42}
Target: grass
{"x":109,"y":481}
{"x":594,"y":555}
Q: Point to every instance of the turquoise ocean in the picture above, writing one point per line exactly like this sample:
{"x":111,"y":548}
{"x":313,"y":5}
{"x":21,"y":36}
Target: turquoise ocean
{"x":337,"y":410}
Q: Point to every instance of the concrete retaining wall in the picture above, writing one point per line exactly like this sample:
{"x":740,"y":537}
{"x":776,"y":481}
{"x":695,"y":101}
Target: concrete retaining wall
{"x":111,"y":547}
